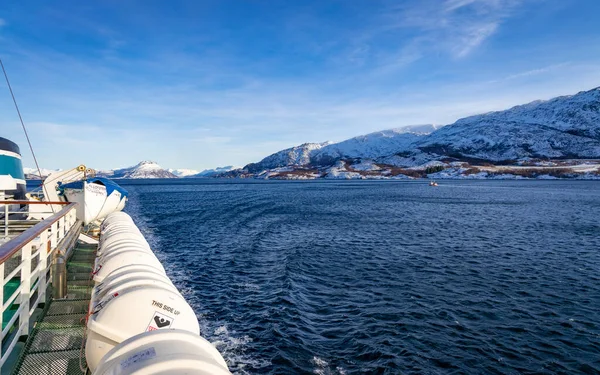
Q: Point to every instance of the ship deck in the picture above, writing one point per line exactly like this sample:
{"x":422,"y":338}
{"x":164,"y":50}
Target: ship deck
{"x":55,"y":344}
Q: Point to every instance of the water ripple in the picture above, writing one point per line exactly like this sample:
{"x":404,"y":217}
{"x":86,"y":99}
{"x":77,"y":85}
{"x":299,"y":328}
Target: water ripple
{"x":385,"y":277}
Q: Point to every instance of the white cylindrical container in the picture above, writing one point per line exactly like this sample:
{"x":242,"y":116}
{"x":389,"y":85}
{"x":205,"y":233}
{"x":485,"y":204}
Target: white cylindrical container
{"x":123,"y":259}
{"x":120,"y":229}
{"x":125,"y":245}
{"x":118,"y":224}
{"x":125,"y":273}
{"x":102,"y":298}
{"x":108,"y":223}
{"x":117,"y":286}
{"x":117,"y":252}
{"x":132,"y":269}
{"x":124,"y":242}
{"x":106,"y":226}
{"x":115,"y":217}
{"x":134,"y":311}
{"x":118,"y":277}
{"x":170,"y":352}
{"x":109,"y":241}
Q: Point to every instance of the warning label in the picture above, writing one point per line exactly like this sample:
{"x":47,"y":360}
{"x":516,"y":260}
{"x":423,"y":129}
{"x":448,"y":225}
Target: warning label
{"x":159,"y":321}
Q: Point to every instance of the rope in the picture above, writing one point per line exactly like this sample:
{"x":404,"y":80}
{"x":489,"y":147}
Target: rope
{"x":23,"y":125}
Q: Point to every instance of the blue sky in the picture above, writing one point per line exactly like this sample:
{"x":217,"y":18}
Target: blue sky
{"x":200,"y":84}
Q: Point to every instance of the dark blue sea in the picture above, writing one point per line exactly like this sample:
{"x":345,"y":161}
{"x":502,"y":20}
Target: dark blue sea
{"x":481,"y":277}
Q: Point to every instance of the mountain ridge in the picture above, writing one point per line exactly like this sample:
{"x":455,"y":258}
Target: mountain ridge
{"x":561,"y":128}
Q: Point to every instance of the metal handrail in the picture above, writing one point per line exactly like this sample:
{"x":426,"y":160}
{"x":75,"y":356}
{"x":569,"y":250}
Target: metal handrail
{"x":8,"y":249}
{"x":38,"y":243}
{"x":32,"y":202}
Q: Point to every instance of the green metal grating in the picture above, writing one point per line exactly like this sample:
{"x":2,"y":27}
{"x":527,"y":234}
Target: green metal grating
{"x":87,"y":282}
{"x":79,"y":267}
{"x":78,"y":276}
{"x":55,"y":344}
{"x":64,"y":307}
{"x":51,"y":364}
{"x":62,"y":321}
{"x":55,"y":340}
{"x":78,"y":292}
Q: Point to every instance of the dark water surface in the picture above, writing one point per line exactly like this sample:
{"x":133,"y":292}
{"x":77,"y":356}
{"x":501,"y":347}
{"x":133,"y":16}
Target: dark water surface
{"x":385,"y":277}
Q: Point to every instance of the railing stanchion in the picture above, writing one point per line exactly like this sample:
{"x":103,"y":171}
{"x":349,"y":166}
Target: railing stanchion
{"x":43,"y":266}
{"x":6,"y":220}
{"x":2,"y":297}
{"x":54,"y":235}
{"x":61,"y":228}
{"x":25,"y":288}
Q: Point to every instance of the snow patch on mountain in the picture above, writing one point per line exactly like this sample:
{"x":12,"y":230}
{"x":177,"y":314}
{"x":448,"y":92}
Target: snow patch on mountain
{"x":33,"y":173}
{"x":373,"y":145}
{"x":366,"y":165}
{"x":339,"y":171}
{"x":144,"y":169}
{"x":295,"y":156}
{"x":563,"y":127}
{"x":214,"y":172}
{"x":183,"y":172}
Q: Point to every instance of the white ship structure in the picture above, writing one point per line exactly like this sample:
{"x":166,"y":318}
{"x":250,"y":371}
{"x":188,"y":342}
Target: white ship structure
{"x":83,"y":292}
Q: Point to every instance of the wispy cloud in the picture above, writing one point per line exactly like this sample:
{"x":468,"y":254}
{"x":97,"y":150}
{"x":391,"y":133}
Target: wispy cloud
{"x":532,"y":72}
{"x":455,"y":27}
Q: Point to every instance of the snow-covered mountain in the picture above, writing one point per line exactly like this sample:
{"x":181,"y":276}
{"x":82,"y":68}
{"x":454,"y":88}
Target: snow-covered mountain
{"x":295,"y":156}
{"x":563,"y":127}
{"x":566,"y":127}
{"x":144,"y":169}
{"x":34,"y":174}
{"x":213,"y":172}
{"x":183,"y":172}
{"x":372,"y":146}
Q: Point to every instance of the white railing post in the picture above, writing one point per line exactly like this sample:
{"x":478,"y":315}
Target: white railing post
{"x":61,"y":228}
{"x":6,"y":220}
{"x":1,"y":296}
{"x":43,"y":266}
{"x":54,"y":235}
{"x":25,"y":288}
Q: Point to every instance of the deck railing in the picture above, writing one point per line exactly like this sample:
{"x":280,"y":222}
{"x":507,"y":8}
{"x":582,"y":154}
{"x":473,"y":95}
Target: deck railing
{"x":25,"y":263}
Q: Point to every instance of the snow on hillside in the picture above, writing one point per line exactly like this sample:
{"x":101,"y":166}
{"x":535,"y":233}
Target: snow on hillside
{"x":299,"y":155}
{"x":563,"y":127}
{"x":213,"y":172}
{"x":183,"y":172}
{"x":577,"y":114}
{"x":566,"y":127}
{"x":145,"y":169}
{"x":373,"y":145}
{"x":33,"y":173}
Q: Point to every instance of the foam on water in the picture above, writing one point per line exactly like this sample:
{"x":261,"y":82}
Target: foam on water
{"x":230,"y":345}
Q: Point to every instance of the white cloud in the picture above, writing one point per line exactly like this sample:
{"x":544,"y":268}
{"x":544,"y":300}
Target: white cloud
{"x":456,"y":27}
{"x":472,"y":38}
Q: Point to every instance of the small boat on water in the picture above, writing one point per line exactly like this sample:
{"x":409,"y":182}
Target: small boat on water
{"x":433,"y":183}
